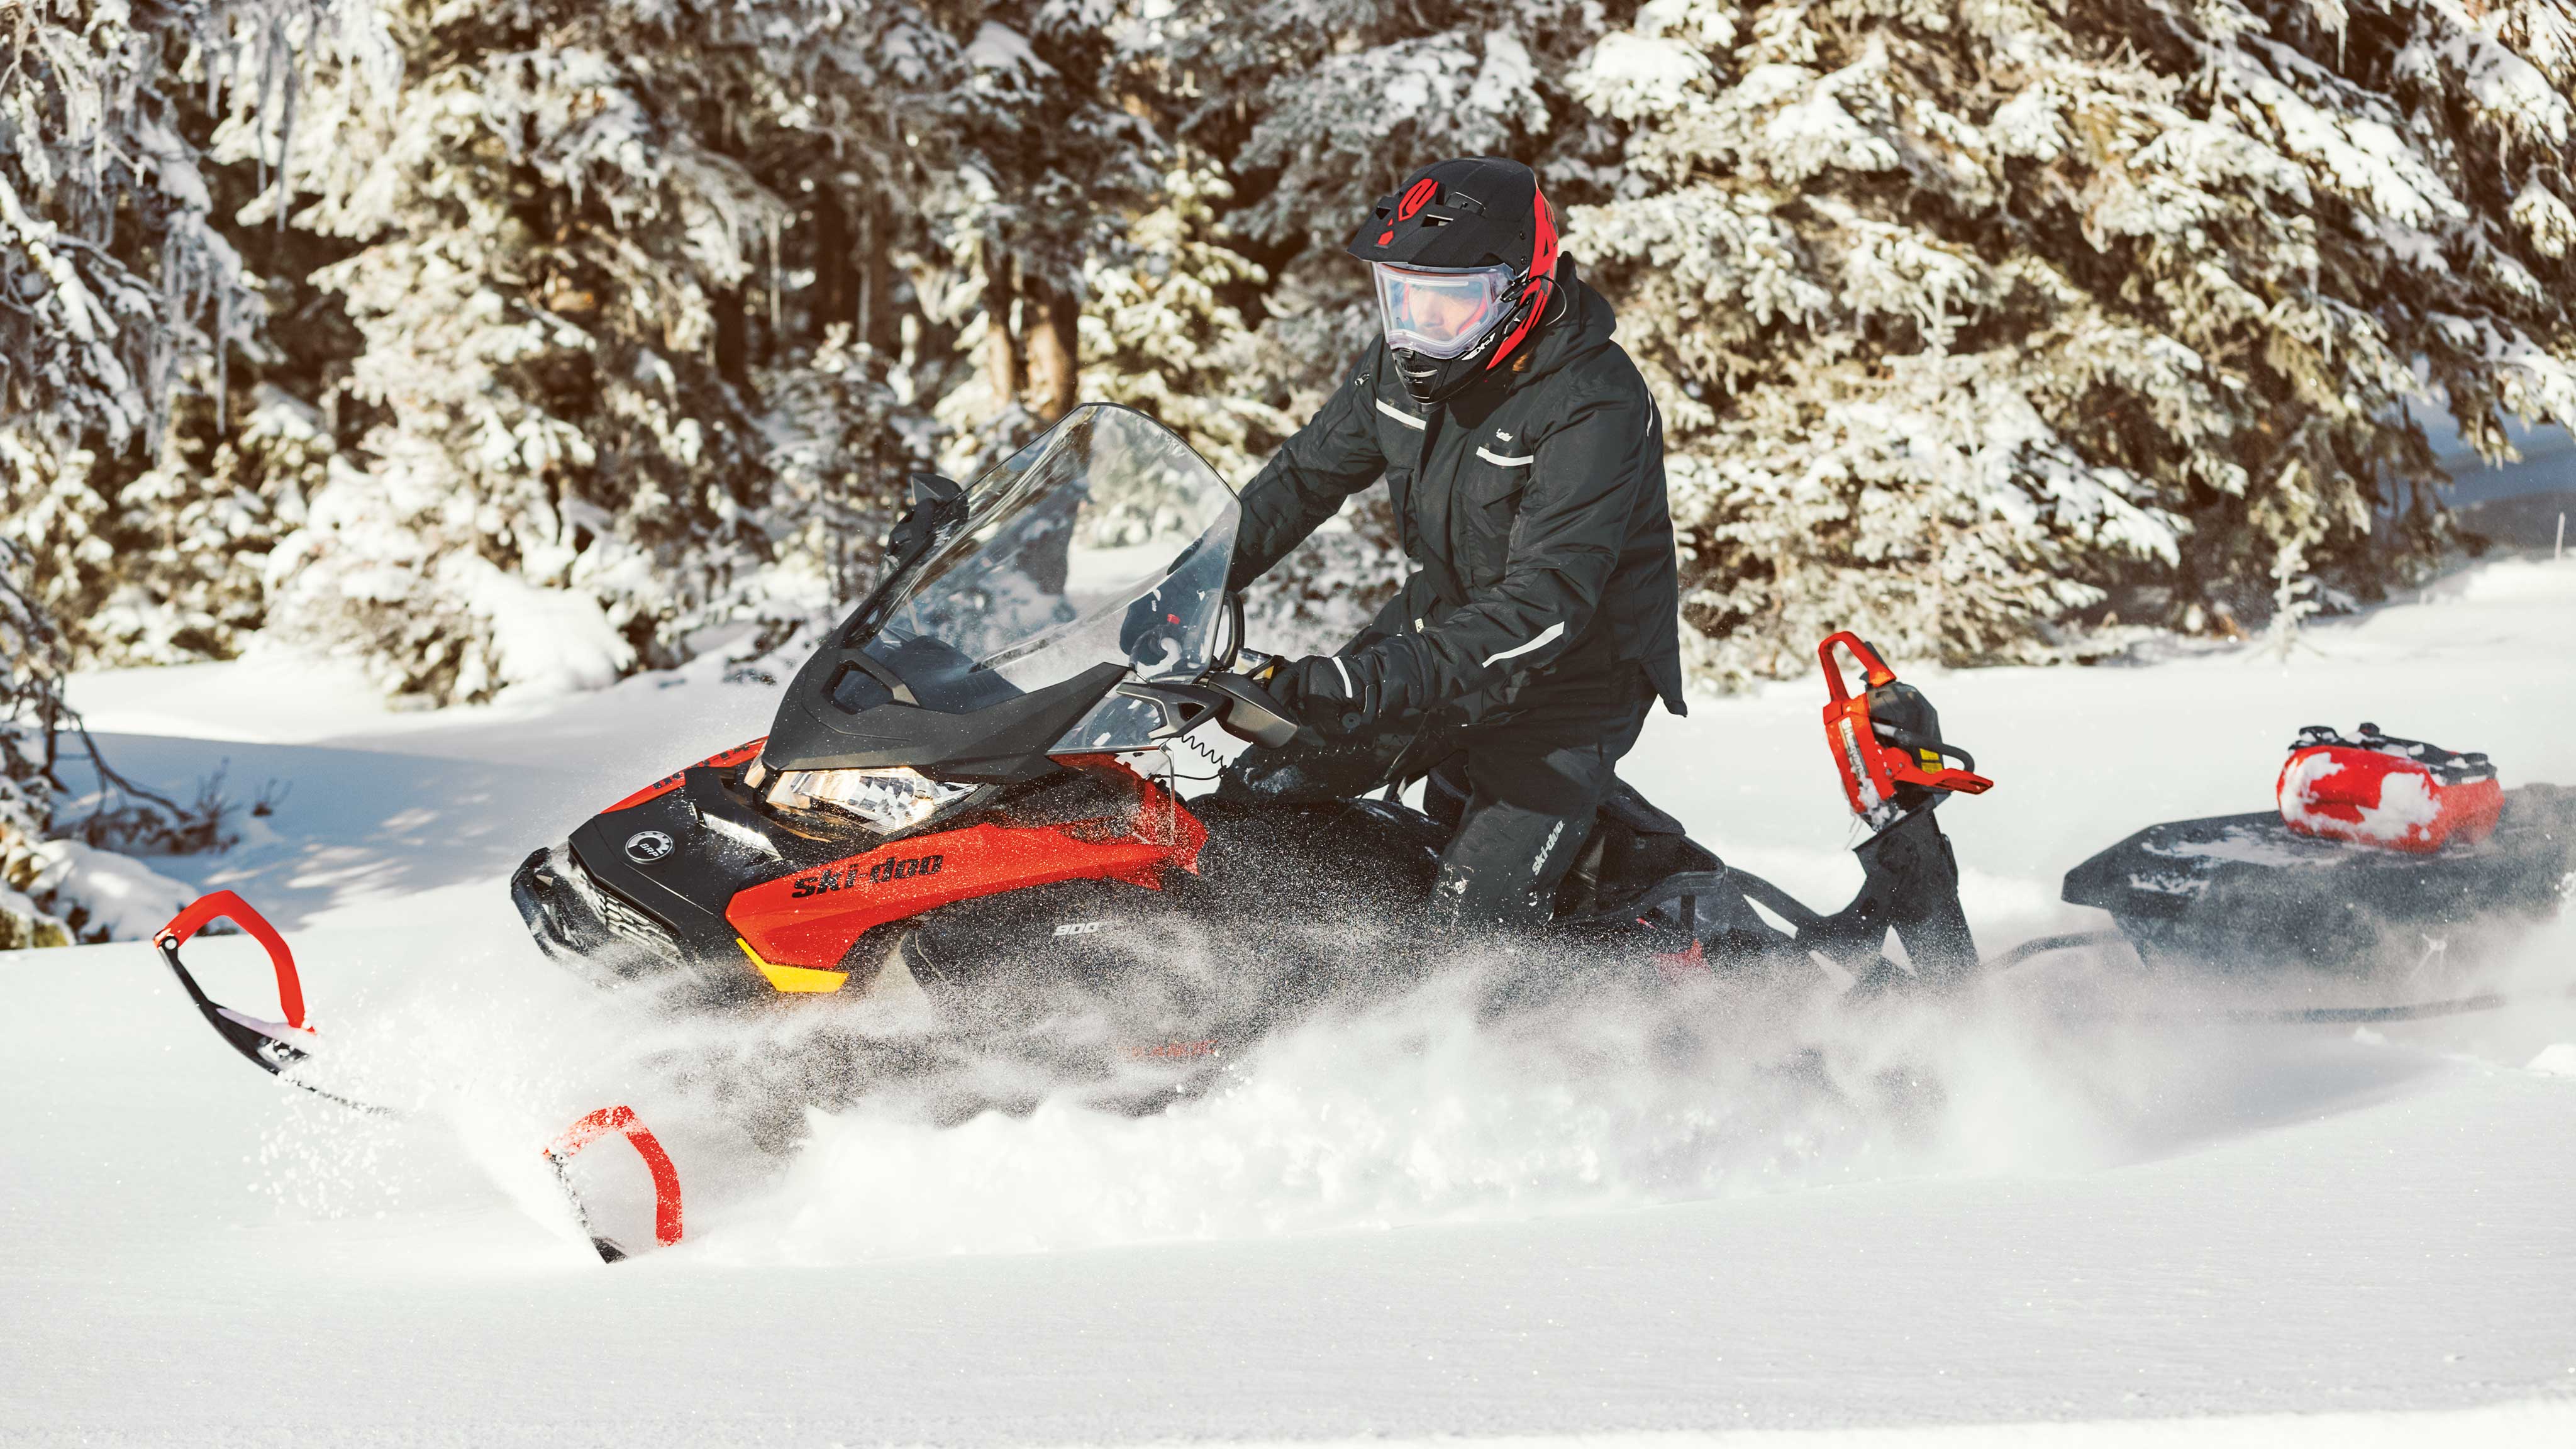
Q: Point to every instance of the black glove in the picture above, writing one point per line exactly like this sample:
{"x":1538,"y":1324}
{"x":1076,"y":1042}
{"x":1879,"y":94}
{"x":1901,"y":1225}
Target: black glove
{"x":1346,"y":693}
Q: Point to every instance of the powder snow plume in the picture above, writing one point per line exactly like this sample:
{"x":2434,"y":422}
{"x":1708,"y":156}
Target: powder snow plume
{"x":1499,"y":1087}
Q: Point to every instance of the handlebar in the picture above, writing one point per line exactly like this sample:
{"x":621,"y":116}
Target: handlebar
{"x":1250,"y":709}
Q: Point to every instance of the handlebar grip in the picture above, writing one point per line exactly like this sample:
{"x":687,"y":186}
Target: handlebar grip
{"x":1922,"y":744}
{"x":1254,"y":712}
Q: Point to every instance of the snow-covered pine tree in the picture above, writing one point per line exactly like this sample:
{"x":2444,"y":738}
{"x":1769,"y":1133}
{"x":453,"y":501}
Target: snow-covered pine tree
{"x":841,"y":440}
{"x":1049,"y":169}
{"x":580,"y":232}
{"x":120,"y":295}
{"x":1161,"y":331}
{"x":529,"y":284}
{"x":125,"y":296}
{"x":848,"y":368}
{"x":1974,"y":322}
{"x":30,"y":705}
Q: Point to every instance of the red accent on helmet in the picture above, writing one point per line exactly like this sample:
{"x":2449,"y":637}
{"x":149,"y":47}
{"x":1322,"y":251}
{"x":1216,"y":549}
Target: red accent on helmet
{"x":1416,"y":197}
{"x":1542,"y":272}
{"x":1386,"y":236}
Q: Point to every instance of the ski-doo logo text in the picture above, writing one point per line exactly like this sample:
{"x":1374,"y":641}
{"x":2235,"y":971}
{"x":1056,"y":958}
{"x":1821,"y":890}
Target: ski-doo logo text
{"x":886,"y":870}
{"x":647,"y":846}
{"x":877,"y":874}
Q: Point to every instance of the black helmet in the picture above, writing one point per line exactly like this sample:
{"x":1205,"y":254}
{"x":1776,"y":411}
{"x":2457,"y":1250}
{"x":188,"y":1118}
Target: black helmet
{"x":1464,"y":258}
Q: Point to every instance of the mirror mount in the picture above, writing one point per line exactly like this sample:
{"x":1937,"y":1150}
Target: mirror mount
{"x":936,"y":502}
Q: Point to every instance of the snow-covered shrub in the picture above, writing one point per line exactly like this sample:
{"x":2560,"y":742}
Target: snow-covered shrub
{"x":194,"y":532}
{"x":54,"y":889}
{"x":100,"y":895}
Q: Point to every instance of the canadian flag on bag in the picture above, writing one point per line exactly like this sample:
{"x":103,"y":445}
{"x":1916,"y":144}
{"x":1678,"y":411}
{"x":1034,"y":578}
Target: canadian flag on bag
{"x":2384,"y":791}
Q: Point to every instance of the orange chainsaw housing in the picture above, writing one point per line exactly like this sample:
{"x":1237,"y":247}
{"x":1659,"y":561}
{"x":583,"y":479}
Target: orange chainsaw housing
{"x":1872,"y":764}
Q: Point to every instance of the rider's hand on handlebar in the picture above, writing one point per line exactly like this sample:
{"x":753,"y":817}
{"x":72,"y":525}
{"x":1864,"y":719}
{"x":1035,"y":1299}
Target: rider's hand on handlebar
{"x":1344,"y":693}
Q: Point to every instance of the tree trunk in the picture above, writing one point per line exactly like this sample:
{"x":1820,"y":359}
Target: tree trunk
{"x":1001,"y":349}
{"x":835,"y":279}
{"x":1054,"y":342}
{"x":879,"y":322}
{"x":733,"y":340}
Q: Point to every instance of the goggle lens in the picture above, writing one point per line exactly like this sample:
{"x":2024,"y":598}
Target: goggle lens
{"x":1440,"y":314}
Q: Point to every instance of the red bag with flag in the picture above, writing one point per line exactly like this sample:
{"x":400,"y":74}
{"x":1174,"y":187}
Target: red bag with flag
{"x":2384,"y":791}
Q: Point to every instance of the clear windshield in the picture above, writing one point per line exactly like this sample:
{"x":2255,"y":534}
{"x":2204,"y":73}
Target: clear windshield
{"x":1105,"y":541}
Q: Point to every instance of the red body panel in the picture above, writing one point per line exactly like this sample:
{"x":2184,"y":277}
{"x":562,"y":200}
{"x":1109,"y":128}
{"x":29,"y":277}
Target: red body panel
{"x":671,"y":782}
{"x":810,"y":919}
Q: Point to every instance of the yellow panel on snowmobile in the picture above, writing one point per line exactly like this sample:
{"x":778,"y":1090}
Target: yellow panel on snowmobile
{"x":794,"y":978}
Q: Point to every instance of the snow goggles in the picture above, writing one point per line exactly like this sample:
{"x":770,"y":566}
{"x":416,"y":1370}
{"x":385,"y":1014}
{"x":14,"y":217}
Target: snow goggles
{"x":1443,"y":312}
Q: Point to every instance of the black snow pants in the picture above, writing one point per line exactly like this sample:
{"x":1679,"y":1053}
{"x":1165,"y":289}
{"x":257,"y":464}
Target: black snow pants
{"x":1517,"y":794}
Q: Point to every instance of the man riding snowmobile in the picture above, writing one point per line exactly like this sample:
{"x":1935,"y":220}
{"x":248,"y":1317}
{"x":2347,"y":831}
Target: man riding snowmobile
{"x":1524,"y":459}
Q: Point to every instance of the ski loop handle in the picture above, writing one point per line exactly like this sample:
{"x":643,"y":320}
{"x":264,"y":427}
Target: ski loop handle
{"x":666,"y":1177}
{"x":224,"y":905}
{"x":267,"y":1044}
{"x":1877,"y":757}
{"x":271,"y":1046}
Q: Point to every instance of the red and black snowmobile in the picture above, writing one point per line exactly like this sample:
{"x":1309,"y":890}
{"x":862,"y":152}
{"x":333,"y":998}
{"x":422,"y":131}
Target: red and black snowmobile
{"x":968,"y":790}
{"x":961,"y":787}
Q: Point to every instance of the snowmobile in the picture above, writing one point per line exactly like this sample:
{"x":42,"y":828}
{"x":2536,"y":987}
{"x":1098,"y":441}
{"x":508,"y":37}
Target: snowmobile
{"x":960,"y":784}
{"x":969,"y":791}
{"x":969,"y":799}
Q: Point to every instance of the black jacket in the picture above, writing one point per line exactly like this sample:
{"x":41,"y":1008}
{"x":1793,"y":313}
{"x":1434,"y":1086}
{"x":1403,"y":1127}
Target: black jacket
{"x":1532,"y":507}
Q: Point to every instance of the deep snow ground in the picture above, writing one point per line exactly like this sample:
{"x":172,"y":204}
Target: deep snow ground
{"x":2054,"y":1203}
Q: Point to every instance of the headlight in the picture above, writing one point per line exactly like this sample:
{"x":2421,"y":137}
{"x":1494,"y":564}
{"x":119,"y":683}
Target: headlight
{"x":886,"y":799}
